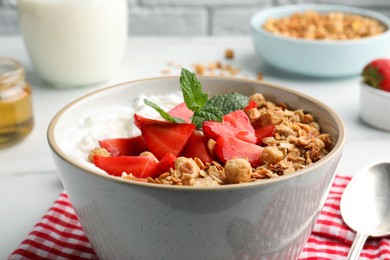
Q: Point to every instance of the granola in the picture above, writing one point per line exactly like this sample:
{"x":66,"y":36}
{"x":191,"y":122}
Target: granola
{"x":325,"y":26}
{"x":296,"y":142}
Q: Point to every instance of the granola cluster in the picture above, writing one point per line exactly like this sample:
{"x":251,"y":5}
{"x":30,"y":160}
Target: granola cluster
{"x":192,"y":172}
{"x":325,"y":26}
{"x":296,"y":143}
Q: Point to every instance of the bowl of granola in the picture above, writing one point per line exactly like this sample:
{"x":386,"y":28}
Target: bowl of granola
{"x":320,"y":40}
{"x":208,"y":168}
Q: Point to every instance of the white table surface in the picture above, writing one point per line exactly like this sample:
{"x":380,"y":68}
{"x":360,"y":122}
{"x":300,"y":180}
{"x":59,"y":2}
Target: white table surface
{"x":29,"y":182}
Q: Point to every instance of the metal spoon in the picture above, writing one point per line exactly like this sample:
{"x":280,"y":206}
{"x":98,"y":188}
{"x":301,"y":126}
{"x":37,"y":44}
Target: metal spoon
{"x":365,"y":205}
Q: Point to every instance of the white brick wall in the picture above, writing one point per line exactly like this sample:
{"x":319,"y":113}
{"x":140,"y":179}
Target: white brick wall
{"x":8,"y":21}
{"x":168,"y":21}
{"x":203,"y":3}
{"x":232,"y":20}
{"x":191,"y":17}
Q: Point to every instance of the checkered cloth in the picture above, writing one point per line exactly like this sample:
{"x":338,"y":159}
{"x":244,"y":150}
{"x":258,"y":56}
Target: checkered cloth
{"x":59,"y":234}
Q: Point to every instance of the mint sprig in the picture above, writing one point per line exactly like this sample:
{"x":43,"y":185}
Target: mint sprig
{"x":196,"y":100}
{"x":193,"y":95}
{"x":206,"y":114}
{"x":227,"y":103}
{"x":164,"y":114}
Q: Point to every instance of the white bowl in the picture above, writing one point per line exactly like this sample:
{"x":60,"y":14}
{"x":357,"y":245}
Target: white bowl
{"x":128,"y":219}
{"x":375,"y":106}
{"x":323,"y":58}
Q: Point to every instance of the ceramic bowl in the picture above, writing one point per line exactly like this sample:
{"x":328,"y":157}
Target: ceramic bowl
{"x":320,"y":58}
{"x":135,"y":220}
{"x":375,"y":106}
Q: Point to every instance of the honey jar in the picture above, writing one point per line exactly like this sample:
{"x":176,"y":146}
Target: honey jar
{"x":16,"y":116}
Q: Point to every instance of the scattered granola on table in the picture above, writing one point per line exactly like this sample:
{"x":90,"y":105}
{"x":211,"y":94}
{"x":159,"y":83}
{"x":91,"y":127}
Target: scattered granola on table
{"x":215,"y":68}
{"x":227,"y":139}
{"x":229,"y":54}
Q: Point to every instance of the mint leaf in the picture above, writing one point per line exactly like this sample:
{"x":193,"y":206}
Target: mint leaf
{"x":228,"y":102}
{"x":218,"y":106}
{"x":211,"y":113}
{"x":193,"y":95}
{"x":196,"y":100}
{"x":164,"y":114}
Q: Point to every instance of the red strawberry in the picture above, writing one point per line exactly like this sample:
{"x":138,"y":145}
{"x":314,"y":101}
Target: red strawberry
{"x":377,"y":74}
{"x":263,"y":132}
{"x":234,"y":124}
{"x":139,"y":121}
{"x":162,"y":138}
{"x":197,"y":147}
{"x":182,"y":111}
{"x":229,"y":147}
{"x":167,"y":162}
{"x":251,"y":104}
{"x":124,"y":146}
{"x":139,"y":166}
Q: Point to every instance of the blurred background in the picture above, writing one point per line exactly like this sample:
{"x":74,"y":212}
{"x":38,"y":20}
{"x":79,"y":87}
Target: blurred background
{"x":191,"y":17}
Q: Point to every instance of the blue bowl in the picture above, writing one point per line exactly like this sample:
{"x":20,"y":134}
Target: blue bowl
{"x":320,"y":58}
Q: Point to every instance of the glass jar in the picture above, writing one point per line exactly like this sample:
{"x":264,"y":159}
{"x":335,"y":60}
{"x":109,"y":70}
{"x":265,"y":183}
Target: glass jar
{"x":89,"y":42}
{"x":16,"y":117}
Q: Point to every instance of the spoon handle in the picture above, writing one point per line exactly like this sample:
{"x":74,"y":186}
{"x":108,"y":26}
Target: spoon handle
{"x":357,"y":246}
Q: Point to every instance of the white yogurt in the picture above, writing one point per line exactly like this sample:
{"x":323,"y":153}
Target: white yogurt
{"x":74,"y":43}
{"x":115,"y":121}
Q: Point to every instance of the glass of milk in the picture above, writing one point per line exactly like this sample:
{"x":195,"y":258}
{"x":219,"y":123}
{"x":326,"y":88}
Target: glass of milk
{"x":74,"y":43}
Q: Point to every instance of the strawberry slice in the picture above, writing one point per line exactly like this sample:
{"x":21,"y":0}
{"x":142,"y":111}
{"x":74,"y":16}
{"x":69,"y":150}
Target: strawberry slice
{"x":139,"y":166}
{"x":197,"y":147}
{"x":240,"y":121}
{"x":229,"y":147}
{"x":182,"y":111}
{"x":162,"y":138}
{"x":139,"y":121}
{"x":263,"y":132}
{"x":251,"y":104}
{"x":124,"y":146}
{"x":166,"y":163}
{"x":235,"y":124}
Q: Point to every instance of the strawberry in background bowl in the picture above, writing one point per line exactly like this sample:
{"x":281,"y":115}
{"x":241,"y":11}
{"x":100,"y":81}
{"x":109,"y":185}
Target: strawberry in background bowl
{"x":375,"y":94}
{"x":127,"y":218}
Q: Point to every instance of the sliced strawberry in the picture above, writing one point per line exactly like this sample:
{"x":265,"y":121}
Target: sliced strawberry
{"x":124,"y":146}
{"x":235,"y":124}
{"x":162,"y":138}
{"x":182,"y":111}
{"x":240,"y":121}
{"x":139,"y":121}
{"x":251,"y":104}
{"x":197,"y":147}
{"x":166,"y":163}
{"x":139,"y":166}
{"x":263,"y":132}
{"x":229,"y":147}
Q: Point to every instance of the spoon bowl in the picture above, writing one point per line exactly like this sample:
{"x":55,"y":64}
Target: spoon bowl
{"x":365,"y":205}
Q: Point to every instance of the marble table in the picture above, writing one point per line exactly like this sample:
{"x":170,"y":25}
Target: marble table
{"x":29,"y":182}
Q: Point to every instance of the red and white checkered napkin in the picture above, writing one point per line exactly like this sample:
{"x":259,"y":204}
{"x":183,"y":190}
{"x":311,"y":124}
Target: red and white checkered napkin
{"x":59,"y":234}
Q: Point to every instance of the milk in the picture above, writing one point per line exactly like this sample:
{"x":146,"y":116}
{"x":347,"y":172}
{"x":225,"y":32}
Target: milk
{"x":74,"y":43}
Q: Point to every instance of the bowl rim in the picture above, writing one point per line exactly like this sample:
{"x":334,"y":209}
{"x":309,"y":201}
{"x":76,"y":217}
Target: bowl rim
{"x":337,"y":149}
{"x":290,"y":9}
{"x":374,"y":90}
